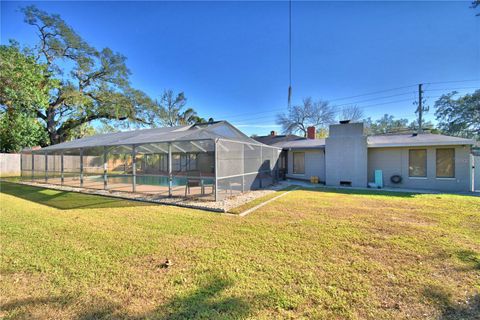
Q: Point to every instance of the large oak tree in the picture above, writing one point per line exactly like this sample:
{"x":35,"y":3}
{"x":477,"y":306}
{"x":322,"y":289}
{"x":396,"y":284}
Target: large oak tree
{"x":83,"y":84}
{"x":459,"y":115}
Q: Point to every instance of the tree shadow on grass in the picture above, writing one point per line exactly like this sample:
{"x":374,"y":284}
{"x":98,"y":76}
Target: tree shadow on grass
{"x":365,"y":192}
{"x":20,"y":306}
{"x":469,"y":257}
{"x":451,"y":310}
{"x":64,"y":200}
{"x":204,"y":303}
{"x":383,"y":192}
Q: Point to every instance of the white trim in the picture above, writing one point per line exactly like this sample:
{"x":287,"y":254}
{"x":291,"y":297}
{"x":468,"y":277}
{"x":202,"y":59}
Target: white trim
{"x":248,"y":211}
{"x":223,"y":147}
{"x":250,"y":143}
{"x":296,"y":174}
{"x":149,"y":150}
{"x":418,"y":178}
{"x":155,"y":146}
{"x":198,"y":146}
{"x":242,"y":174}
{"x":173,"y":144}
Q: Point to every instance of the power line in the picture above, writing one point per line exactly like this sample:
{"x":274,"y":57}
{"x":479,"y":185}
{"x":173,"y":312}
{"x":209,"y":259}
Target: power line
{"x":454,"y":81}
{"x":372,"y":93}
{"x":338,"y":111}
{"x":335,"y":111}
{"x":333,"y":106}
{"x":373,"y":99}
{"x":339,"y":105}
{"x":449,"y":89}
{"x":362,"y":95}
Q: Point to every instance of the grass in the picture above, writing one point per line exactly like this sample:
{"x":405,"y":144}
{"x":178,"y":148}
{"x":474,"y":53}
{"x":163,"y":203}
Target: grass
{"x":309,"y":254}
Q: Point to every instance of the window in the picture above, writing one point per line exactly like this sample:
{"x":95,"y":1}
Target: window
{"x":445,"y":163}
{"x":299,"y":162}
{"x":282,"y":161}
{"x":417,"y":163}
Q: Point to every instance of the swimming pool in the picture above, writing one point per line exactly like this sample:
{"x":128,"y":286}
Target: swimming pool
{"x":152,"y":180}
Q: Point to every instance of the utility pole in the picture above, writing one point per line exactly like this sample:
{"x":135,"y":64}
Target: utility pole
{"x":420,"y":108}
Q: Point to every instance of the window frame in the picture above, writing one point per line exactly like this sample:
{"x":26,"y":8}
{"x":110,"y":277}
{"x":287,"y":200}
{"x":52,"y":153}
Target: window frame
{"x":425,"y":161}
{"x":453,"y":164}
{"x":293,"y":162}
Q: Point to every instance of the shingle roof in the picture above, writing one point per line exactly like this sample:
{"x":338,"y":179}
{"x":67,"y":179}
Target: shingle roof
{"x":224,"y":130}
{"x":407,"y":140}
{"x":388,"y":140}
{"x":272,"y":139}
{"x":301,"y":144}
{"x":215,"y":130}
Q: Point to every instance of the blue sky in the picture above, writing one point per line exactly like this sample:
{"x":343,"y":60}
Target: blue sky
{"x":231,"y":58}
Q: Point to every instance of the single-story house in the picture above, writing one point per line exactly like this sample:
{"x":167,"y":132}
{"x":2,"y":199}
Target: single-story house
{"x":351,"y":158}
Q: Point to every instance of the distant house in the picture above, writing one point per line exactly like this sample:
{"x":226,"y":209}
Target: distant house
{"x":349,"y":157}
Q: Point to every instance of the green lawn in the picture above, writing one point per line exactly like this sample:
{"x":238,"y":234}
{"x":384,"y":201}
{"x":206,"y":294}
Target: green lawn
{"x":309,"y":254}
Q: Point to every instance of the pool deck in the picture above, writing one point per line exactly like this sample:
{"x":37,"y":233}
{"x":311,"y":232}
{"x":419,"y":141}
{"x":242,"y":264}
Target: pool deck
{"x":158,"y":194}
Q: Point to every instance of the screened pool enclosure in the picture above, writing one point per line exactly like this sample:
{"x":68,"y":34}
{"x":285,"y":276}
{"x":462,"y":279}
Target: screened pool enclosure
{"x":207,"y":161}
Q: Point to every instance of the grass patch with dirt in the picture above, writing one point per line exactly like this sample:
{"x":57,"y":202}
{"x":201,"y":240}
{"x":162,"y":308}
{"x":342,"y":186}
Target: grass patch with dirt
{"x":309,"y":254}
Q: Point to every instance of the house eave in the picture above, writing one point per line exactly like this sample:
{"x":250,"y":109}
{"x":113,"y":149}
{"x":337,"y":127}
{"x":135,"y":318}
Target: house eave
{"x":419,"y":144}
{"x":304,"y":148}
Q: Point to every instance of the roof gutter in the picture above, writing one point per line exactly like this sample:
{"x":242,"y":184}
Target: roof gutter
{"x":418,"y":144}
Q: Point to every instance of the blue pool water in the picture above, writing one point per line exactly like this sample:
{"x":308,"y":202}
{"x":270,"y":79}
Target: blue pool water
{"x":153,"y":180}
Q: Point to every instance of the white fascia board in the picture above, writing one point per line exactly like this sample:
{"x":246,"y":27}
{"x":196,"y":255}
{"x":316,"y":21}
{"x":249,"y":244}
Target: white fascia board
{"x":418,"y":144}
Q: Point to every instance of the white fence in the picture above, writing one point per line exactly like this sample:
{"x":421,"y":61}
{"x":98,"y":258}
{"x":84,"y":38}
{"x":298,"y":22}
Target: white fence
{"x":9,"y":164}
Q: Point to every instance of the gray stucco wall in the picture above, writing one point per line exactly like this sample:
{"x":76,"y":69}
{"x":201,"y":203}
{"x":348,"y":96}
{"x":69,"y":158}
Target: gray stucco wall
{"x":394,"y":161}
{"x":346,"y":155}
{"x":314,"y":165}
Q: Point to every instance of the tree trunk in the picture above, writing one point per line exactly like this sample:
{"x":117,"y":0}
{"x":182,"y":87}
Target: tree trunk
{"x":52,"y":126}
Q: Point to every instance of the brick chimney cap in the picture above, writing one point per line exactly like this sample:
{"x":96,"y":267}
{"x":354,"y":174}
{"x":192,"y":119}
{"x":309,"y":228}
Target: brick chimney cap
{"x":311,"y":132}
